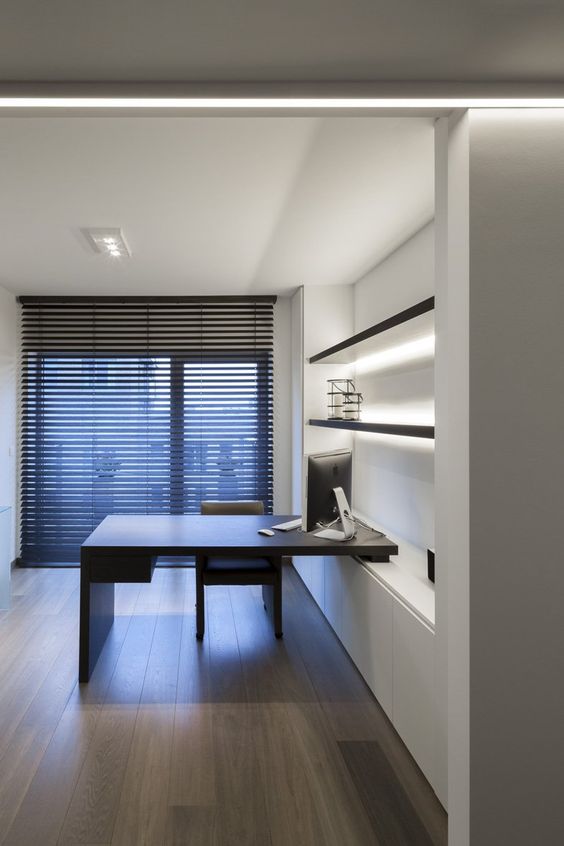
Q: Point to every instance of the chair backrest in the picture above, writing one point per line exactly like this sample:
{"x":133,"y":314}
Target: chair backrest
{"x":248,"y":506}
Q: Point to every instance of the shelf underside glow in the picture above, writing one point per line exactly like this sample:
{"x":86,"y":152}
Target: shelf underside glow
{"x":402,"y":429}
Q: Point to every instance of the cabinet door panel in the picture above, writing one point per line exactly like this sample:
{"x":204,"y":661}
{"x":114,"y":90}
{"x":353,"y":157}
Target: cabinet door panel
{"x":317,"y":578}
{"x":303,"y":568}
{"x":333,"y":588}
{"x":367,"y":625}
{"x":414,"y":688}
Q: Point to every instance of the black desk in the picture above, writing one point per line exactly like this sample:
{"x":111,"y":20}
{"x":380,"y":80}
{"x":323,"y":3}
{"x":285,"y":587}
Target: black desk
{"x":125,"y":549}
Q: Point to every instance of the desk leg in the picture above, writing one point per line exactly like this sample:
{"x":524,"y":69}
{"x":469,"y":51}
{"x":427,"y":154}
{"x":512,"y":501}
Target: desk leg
{"x":272,"y":598}
{"x":96,"y":618}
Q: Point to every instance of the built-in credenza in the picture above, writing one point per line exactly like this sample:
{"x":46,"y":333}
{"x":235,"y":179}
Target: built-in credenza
{"x":383,"y":613}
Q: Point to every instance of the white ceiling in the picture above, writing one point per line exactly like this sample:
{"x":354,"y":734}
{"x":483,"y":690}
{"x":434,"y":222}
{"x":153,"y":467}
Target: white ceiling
{"x":208,"y":205}
{"x":336,"y":40}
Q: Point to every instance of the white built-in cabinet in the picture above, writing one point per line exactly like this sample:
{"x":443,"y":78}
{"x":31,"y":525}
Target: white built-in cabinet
{"x":384,"y":612}
{"x":392,"y":646}
{"x":333,"y":591}
{"x":317,"y":580}
{"x":367,"y":629}
{"x":414,"y":686}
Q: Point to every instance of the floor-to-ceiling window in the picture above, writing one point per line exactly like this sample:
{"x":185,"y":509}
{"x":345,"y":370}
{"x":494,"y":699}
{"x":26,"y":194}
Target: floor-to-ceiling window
{"x":110,"y":428}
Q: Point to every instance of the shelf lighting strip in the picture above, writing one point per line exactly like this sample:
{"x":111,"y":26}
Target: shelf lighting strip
{"x":419,"y":349}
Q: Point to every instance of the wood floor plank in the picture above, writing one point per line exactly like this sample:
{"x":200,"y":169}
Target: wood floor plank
{"x":20,"y":638}
{"x":41,"y":814}
{"x":29,"y":674}
{"x":93,"y":808}
{"x":45,"y":594}
{"x":24,"y":626}
{"x":195,"y":826}
{"x":338,"y":805}
{"x":273,"y":669}
{"x":22,"y":754}
{"x":241,"y":804}
{"x":356,"y":721}
{"x":291,"y":809}
{"x":127,"y":681}
{"x":126,"y":598}
{"x":331,"y":671}
{"x":43,"y":810}
{"x":388,"y":806}
{"x":174,"y":590}
{"x":161,"y":677}
{"x":194,"y":661}
{"x":239,"y":739}
{"x":254,"y":638}
{"x":142,"y":814}
{"x":192,"y":765}
{"x":53,"y":599}
{"x":226,"y":680}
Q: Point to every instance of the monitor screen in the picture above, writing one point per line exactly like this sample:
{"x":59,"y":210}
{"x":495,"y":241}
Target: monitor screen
{"x":324,"y":472}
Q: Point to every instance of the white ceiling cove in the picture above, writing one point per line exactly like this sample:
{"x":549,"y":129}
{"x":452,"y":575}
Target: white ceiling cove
{"x":208,"y":205}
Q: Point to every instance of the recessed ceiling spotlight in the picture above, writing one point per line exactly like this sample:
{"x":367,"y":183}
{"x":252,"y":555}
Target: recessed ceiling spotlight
{"x":107,"y":241}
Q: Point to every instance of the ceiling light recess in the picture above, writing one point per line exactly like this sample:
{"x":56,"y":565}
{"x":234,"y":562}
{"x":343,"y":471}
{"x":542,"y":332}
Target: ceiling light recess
{"x":235,"y":103}
{"x":108,"y":241}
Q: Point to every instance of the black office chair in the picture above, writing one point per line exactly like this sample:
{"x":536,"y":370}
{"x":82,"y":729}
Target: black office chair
{"x":239,"y":571}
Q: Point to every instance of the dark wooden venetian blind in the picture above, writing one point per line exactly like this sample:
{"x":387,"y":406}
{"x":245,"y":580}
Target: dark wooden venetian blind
{"x":140,"y":407}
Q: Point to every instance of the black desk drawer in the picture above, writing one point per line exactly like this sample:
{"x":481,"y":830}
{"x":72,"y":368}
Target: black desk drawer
{"x":122,"y":567}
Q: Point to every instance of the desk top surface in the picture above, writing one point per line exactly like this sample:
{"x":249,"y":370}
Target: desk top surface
{"x":179,"y":534}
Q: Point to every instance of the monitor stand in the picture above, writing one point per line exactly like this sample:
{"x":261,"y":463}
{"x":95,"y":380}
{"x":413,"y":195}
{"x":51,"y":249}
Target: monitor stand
{"x":347,"y":521}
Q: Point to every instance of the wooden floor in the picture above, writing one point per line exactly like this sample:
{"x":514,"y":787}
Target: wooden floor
{"x":241,"y":739}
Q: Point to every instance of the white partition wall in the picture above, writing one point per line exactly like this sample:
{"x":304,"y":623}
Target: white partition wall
{"x":516,"y":422}
{"x":5,"y":559}
{"x":451,"y":467}
{"x":503,"y":219}
{"x":9,"y":356}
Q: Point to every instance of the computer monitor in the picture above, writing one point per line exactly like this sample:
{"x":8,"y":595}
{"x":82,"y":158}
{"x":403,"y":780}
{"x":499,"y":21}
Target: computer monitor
{"x":324,"y":472}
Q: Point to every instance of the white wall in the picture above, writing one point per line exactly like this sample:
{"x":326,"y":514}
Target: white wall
{"x":9,"y":356}
{"x":451,"y":470}
{"x":516,"y":178}
{"x":394,"y":477}
{"x":282,"y":410}
{"x":328,"y":319}
{"x":505,"y":301}
{"x":405,"y":277}
{"x":322,"y":316}
{"x":297,"y":401}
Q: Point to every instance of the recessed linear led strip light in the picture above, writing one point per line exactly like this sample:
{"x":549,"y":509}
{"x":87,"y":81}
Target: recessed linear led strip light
{"x":407,"y":414}
{"x":164,"y":103}
{"x":109,"y":242}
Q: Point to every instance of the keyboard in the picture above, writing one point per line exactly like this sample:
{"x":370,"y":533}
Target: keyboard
{"x":291,"y":524}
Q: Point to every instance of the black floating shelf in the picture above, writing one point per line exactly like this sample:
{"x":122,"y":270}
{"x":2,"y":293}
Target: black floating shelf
{"x":389,"y":323}
{"x":381,"y":428}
